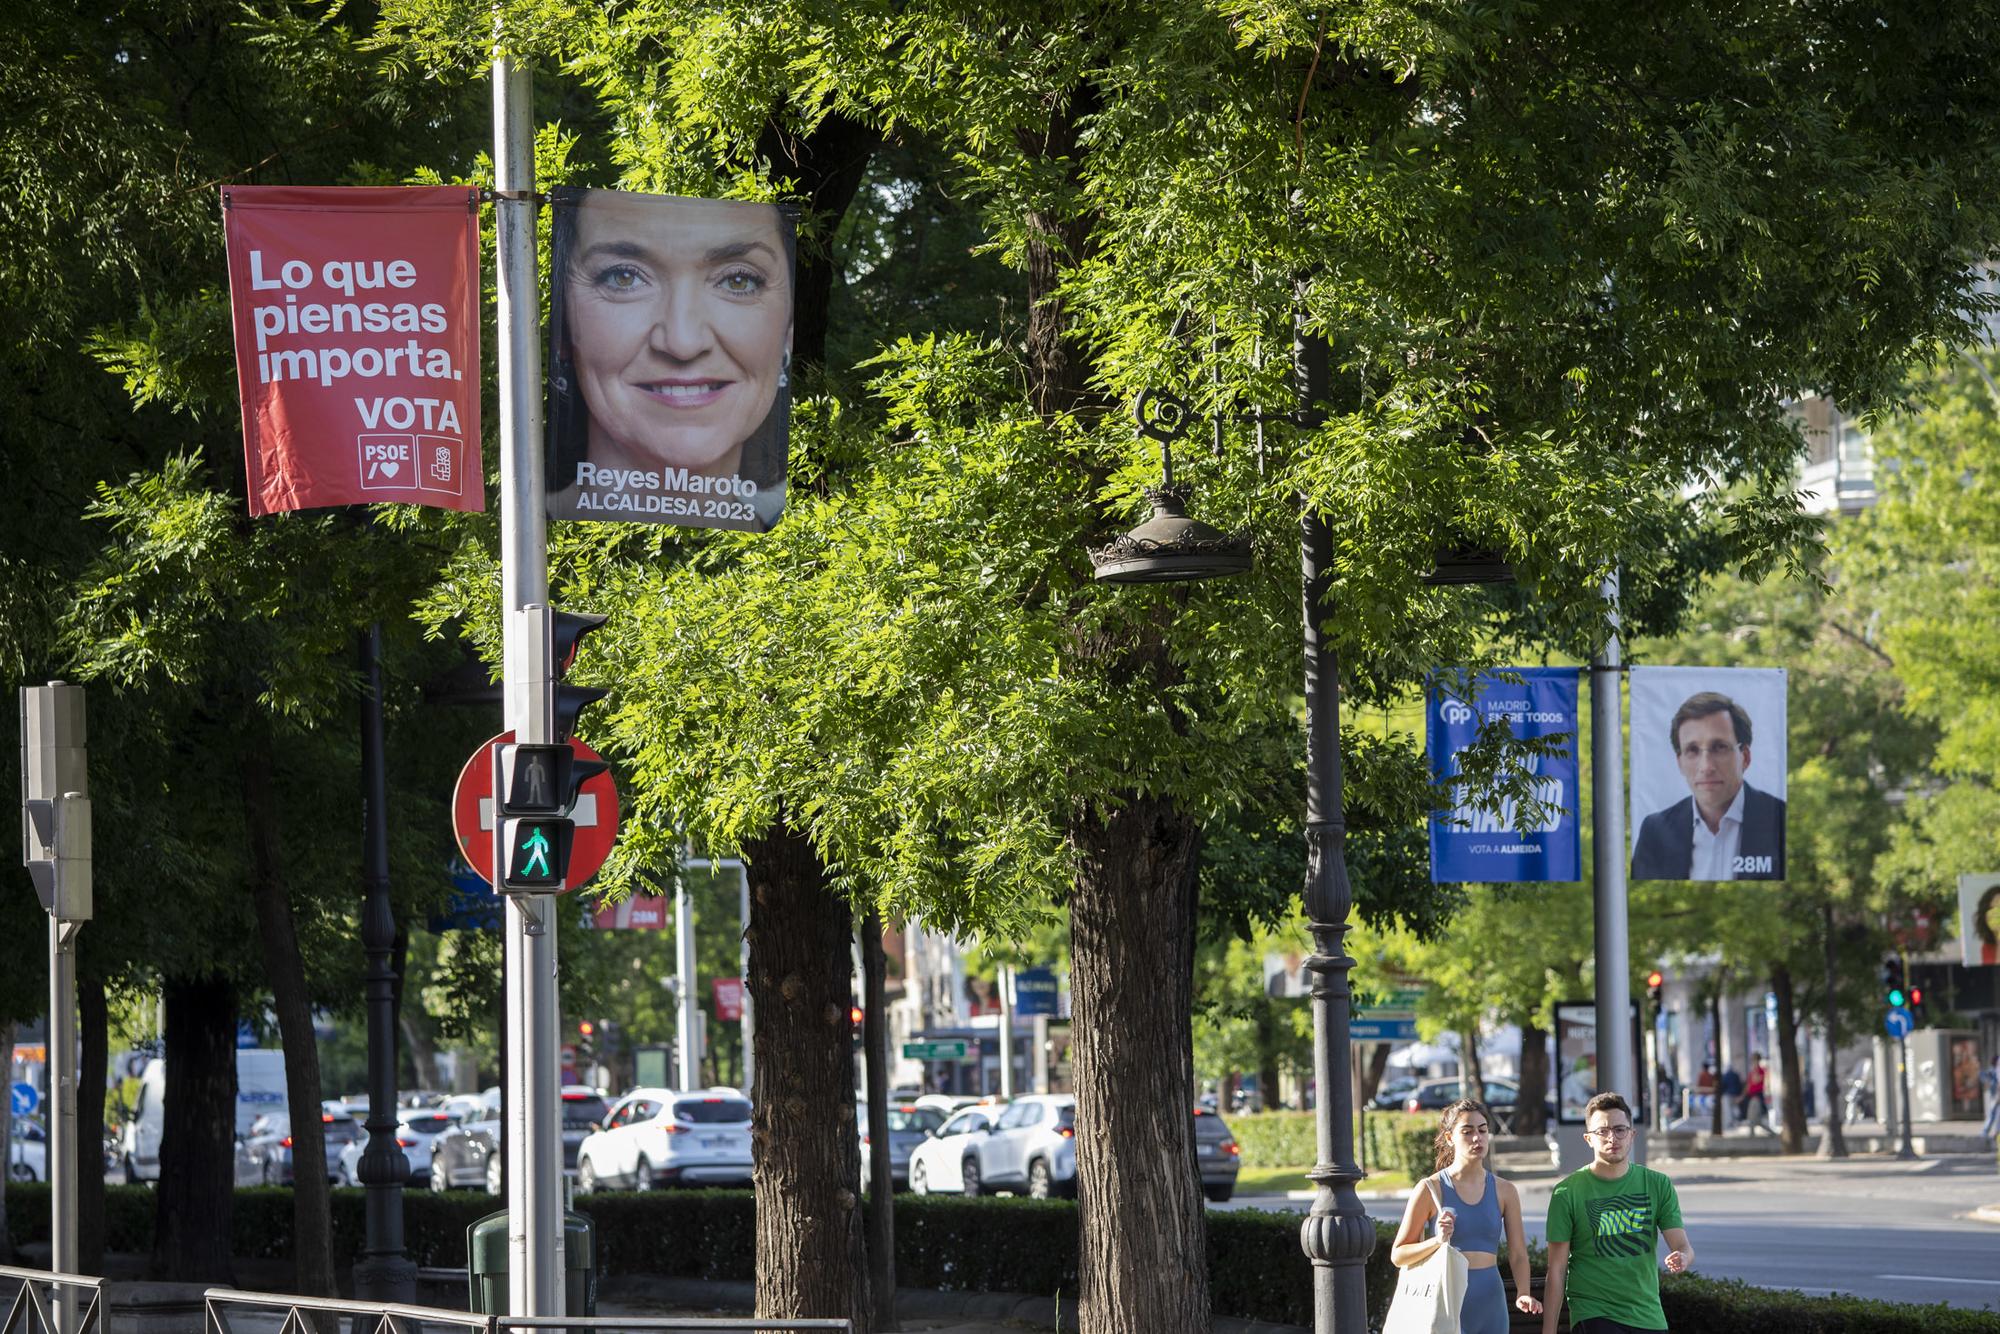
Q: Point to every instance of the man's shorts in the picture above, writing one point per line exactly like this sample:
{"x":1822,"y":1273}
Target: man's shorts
{"x":1604,"y":1324}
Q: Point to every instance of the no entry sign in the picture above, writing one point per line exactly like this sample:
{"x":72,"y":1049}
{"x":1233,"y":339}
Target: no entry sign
{"x":596,"y":815}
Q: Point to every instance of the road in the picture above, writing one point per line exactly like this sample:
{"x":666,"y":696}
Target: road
{"x":1868,"y":1227}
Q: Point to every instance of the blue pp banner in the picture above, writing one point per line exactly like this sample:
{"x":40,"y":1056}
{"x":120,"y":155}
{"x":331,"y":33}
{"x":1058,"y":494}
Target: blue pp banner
{"x":1482,"y":846}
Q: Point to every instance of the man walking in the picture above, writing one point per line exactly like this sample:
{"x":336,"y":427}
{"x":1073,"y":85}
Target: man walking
{"x":1754,"y":1090}
{"x":1605,"y":1222}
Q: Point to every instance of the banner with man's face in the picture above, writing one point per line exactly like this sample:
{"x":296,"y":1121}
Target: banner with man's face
{"x":1708,"y":773}
{"x":670,"y":353}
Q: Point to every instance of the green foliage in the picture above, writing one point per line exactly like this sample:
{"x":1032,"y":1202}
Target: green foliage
{"x":1275,"y":1139}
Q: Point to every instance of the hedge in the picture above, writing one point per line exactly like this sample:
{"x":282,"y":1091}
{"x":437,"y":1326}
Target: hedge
{"x":1394,"y":1141}
{"x":946,"y":1242}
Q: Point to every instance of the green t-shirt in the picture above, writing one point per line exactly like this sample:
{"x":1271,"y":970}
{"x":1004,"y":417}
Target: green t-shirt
{"x":1613,"y":1228}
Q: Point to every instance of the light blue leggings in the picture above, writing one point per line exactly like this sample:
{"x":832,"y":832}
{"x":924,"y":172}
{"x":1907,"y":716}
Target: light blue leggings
{"x":1485,"y":1307}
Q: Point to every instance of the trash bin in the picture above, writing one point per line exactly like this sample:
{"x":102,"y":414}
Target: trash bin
{"x":486,"y":1264}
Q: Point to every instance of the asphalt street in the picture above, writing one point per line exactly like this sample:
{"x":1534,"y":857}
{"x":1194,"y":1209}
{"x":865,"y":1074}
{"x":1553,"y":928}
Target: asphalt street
{"x":1870,"y":1227}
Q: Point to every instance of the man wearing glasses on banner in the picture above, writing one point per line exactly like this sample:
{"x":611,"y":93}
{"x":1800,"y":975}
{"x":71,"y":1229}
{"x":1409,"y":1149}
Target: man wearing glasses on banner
{"x":1605,"y":1222}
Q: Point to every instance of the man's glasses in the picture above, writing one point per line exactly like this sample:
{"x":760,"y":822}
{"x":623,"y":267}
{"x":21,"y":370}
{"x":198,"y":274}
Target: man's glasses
{"x":1610,"y":1132}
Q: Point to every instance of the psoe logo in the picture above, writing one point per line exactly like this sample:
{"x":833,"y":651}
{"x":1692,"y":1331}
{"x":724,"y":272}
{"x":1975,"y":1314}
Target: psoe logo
{"x":1454,"y":713}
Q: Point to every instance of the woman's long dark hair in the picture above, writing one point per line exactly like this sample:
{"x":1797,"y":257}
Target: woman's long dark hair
{"x":1453,"y":1114}
{"x":568,"y":416}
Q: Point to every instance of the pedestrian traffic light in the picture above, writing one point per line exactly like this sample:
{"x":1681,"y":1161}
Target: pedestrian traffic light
{"x":536,"y":784}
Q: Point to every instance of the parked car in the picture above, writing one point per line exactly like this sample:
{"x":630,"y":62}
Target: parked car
{"x":910,"y":1124}
{"x":466,"y":1156}
{"x":28,"y":1154}
{"x":1436,"y":1094}
{"x":947,"y":1103}
{"x":583,"y":1111}
{"x":950,"y":1156}
{"x":265,"y":1157}
{"x":1390,"y":1096}
{"x":417,"y":1132}
{"x":657,"y":1137}
{"x":1028,"y":1146}
{"x":465,"y":1107}
{"x":1216,"y":1153}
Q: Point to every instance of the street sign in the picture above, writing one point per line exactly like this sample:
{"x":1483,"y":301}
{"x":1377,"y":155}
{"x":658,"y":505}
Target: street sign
{"x":26,"y":1099}
{"x":1035,"y":992}
{"x":728,"y":998}
{"x":950,"y":1049}
{"x":595,"y":817}
{"x":1382,"y":1030}
{"x":1899,"y":1022}
{"x":473,"y":905}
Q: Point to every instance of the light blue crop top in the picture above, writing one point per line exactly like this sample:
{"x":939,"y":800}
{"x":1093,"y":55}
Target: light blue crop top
{"x":1478,"y":1226}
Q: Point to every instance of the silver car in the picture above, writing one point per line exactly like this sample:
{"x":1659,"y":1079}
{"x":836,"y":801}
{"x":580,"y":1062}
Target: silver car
{"x":910,"y":1124}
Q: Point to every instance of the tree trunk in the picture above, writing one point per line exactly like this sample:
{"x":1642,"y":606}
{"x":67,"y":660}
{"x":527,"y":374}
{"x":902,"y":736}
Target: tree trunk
{"x":1142,"y":1223}
{"x":1832,"y":1140}
{"x":1267,"y":1057}
{"x":1472,"y":1079}
{"x":284,"y":969}
{"x":93,"y":1027}
{"x":191,"y":1209}
{"x":1793,"y":1118}
{"x":1059,"y":238}
{"x":1715,"y":1023}
{"x":811,"y":1250}
{"x":6,"y":1150}
{"x":1531,"y":1113}
{"x":827,"y":166}
{"x":1372,"y":1072}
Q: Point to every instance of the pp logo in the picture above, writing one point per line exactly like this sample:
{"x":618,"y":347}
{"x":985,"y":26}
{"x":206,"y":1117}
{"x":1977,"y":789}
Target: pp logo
{"x":1455,"y":713}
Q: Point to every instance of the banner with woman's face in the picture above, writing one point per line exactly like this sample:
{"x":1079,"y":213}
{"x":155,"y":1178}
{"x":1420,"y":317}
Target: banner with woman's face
{"x":670,"y":347}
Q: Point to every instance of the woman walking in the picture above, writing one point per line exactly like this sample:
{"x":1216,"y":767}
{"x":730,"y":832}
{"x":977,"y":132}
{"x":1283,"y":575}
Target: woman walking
{"x":1470,"y":1208}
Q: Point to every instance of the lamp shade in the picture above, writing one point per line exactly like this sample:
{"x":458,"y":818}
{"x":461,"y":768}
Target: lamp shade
{"x":1170,"y":547}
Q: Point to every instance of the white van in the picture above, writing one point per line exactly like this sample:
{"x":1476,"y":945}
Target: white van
{"x":260,"y":1090}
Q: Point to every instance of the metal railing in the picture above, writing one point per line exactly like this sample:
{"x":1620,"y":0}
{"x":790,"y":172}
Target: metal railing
{"x":46,"y":1303}
{"x":328,"y":1315}
{"x":761,"y":1324}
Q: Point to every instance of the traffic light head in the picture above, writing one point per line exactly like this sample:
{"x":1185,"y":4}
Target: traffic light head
{"x":1655,"y":980}
{"x":535,"y":854}
{"x":566,"y":632}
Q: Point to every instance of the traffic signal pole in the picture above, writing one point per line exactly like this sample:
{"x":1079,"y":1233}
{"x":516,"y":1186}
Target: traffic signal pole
{"x":533,"y":1125}
{"x":1616,"y":1066}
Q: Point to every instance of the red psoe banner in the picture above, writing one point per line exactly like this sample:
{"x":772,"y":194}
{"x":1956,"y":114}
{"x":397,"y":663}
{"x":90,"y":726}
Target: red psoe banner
{"x":356,"y":315}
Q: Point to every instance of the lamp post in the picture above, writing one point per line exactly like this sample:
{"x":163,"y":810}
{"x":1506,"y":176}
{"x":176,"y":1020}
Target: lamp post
{"x":1337,"y":1235}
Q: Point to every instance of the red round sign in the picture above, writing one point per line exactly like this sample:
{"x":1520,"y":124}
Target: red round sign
{"x":596,"y":815}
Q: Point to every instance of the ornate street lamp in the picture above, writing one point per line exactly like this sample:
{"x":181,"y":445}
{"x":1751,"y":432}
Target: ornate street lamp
{"x":1169,"y":547}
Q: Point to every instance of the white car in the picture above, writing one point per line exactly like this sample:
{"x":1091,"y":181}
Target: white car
{"x":28,"y":1158}
{"x":660,"y":1137}
{"x":1028,"y":1146}
{"x":417,"y":1130}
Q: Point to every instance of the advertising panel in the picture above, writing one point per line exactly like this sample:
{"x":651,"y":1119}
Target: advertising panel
{"x":1708,"y":773}
{"x":1491,"y":846}
{"x":670,"y":353}
{"x":356,"y":318}
{"x":1576,"y":1061}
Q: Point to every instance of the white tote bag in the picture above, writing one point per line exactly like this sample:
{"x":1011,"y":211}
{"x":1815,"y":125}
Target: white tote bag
{"x":1429,"y":1295}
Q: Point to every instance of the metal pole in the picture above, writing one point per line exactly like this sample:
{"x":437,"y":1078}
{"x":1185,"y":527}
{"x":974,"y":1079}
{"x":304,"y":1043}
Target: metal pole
{"x":1006,"y":1031}
{"x":743,"y":971}
{"x":62,"y":1114}
{"x":1337,"y":1235}
{"x":1040,"y":1063}
{"x":881,"y":1177}
{"x":1906,"y":1148}
{"x":1617,"y":1067}
{"x":534,"y":1126}
{"x":382,"y":1273}
{"x":687,"y":1004}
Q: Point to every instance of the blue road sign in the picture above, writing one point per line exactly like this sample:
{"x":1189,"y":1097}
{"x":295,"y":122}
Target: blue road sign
{"x":26,"y":1099}
{"x":1382,"y":1030}
{"x":473,"y":907}
{"x":1036,"y":992}
{"x":1899,"y":1022}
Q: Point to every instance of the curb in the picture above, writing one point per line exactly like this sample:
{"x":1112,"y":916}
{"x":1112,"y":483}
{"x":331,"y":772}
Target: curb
{"x":914,"y":1303}
{"x":1986,"y":1213}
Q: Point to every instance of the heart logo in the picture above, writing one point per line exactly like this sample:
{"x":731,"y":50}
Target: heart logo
{"x":391,"y":469}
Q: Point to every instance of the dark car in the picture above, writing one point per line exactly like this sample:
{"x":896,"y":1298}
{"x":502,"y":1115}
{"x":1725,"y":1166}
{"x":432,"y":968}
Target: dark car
{"x":1216,"y":1154}
{"x":583,"y":1111}
{"x":467,"y":1157}
{"x":265,"y":1158}
{"x":909,"y":1126}
{"x":1501,"y":1095}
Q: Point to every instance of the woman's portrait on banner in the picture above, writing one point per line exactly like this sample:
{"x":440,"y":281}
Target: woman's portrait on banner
{"x":670,"y":347}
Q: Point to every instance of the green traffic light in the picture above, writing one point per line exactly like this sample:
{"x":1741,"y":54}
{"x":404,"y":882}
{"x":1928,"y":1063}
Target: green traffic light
{"x":537,"y":846}
{"x":1895,"y":998}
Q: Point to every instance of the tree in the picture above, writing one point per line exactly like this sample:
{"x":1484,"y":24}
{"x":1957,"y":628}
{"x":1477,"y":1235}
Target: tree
{"x":1569,"y":267}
